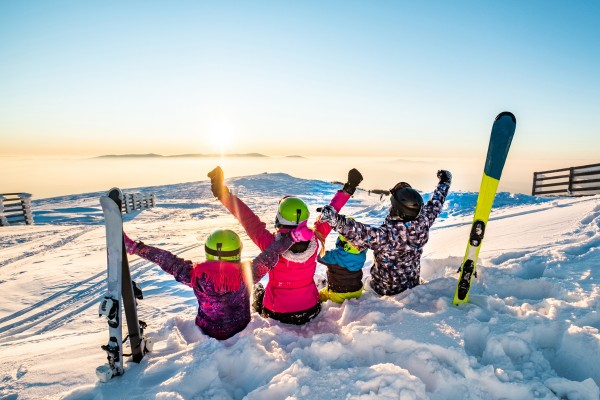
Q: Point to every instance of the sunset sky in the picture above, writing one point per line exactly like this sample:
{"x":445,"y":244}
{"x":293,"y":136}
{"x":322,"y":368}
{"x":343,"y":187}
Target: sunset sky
{"x":398,"y":78}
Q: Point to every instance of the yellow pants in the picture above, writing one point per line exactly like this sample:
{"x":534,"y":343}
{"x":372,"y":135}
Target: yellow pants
{"x":326,"y":294}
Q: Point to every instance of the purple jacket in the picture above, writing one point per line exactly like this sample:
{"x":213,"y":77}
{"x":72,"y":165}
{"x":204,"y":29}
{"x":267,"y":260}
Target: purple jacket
{"x":221,"y":287}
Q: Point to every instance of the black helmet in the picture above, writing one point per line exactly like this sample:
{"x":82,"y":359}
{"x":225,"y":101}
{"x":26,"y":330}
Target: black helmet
{"x":406,"y":202}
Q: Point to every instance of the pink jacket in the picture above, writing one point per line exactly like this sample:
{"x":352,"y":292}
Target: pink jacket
{"x":291,"y":286}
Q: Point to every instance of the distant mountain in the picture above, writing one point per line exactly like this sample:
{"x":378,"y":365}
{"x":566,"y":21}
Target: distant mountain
{"x":192,"y":155}
{"x":218,"y":155}
{"x":149,"y":155}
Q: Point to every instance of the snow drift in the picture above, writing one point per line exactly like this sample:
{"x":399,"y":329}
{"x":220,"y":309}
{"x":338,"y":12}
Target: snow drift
{"x":530,"y":330}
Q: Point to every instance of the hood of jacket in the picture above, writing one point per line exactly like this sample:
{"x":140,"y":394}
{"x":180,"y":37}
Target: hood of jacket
{"x":337,"y":256}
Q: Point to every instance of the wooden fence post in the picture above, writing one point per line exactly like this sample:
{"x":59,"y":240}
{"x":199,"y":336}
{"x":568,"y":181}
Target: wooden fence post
{"x":3,"y":220}
{"x":26,"y":204}
{"x":570,"y":187}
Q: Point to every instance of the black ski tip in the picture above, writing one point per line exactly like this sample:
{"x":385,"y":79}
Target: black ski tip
{"x":506,"y":114}
{"x":115,"y":194}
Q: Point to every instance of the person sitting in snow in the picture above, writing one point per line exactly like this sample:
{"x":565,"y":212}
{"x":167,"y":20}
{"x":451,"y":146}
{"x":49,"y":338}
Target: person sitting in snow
{"x":344,"y":271}
{"x":222,"y":283}
{"x":291,"y":295}
{"x":397,"y":244}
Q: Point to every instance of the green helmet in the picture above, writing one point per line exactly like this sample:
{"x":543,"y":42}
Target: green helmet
{"x":291,"y":212}
{"x":224,"y":245}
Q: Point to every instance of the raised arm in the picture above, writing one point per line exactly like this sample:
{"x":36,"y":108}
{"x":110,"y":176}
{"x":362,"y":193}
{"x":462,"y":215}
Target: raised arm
{"x":178,"y":267}
{"x":266,"y":260}
{"x":254,"y":227}
{"x":433,"y":207}
{"x":340,"y":199}
{"x":361,"y":235}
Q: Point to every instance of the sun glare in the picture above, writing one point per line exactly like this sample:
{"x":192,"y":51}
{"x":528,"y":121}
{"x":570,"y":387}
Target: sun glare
{"x":222,"y":134}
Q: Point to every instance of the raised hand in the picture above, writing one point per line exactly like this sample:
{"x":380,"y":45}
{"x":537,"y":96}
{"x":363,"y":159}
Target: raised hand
{"x":444,"y":176}
{"x":216,"y":182}
{"x":354,"y":179}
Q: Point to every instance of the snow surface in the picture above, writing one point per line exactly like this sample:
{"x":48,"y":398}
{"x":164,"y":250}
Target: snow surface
{"x":530,"y":330}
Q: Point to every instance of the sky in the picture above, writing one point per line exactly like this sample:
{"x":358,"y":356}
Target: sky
{"x":298,"y":78}
{"x":531,"y":328}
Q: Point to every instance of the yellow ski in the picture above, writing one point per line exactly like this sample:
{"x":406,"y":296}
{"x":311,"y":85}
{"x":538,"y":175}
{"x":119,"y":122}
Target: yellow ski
{"x":503,"y":131}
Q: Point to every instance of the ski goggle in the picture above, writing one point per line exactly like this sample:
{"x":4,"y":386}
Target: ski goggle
{"x":220,"y":253}
{"x":281,"y":222}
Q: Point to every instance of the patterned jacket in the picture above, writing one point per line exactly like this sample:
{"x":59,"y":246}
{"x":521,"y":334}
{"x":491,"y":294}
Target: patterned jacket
{"x":397,"y":246}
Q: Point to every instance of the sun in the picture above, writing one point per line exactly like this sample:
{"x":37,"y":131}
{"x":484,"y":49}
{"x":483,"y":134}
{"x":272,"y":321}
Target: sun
{"x":222,"y":134}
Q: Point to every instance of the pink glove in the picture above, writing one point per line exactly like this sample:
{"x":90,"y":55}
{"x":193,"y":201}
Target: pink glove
{"x":302,"y":233}
{"x":130,"y":245}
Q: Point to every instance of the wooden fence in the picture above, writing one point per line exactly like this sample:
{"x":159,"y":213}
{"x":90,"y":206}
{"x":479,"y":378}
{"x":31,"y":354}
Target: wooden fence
{"x":574,"y":181}
{"x":137,"y":201}
{"x":15,"y":208}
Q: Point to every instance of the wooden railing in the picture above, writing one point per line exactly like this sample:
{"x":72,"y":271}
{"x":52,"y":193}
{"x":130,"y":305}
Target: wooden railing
{"x":574,"y":181}
{"x":137,"y":201}
{"x":15,"y":208}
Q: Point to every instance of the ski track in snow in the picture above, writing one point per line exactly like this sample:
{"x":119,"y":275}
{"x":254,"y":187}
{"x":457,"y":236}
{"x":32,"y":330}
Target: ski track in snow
{"x":56,"y":310}
{"x":530,"y":330}
{"x":46,"y":247}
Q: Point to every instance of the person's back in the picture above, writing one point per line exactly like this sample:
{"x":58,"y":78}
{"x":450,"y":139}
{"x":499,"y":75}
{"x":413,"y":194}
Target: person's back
{"x":397,"y":254}
{"x":291,"y":286}
{"x":344,"y":271}
{"x":223,"y":297}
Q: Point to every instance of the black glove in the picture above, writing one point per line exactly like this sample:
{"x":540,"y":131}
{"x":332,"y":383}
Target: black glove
{"x":354,"y":179}
{"x":444,"y":176}
{"x":216,"y":183}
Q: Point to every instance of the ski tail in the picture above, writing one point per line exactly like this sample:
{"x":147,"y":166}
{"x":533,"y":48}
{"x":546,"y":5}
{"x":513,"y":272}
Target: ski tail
{"x":503,"y":131}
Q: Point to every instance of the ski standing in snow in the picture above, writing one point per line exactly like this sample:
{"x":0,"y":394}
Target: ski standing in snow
{"x":503,"y":131}
{"x":121,"y":294}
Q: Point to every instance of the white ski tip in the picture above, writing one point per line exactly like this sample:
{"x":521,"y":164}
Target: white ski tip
{"x":120,"y":193}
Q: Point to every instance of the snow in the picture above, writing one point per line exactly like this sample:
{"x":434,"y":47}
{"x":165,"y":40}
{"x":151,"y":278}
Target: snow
{"x":529,"y":331}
